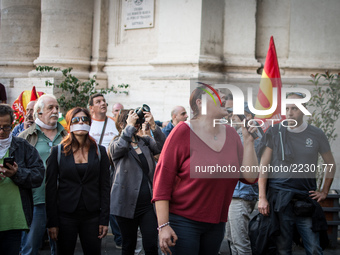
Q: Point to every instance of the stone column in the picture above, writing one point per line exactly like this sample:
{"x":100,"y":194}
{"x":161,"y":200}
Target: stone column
{"x":19,"y":37}
{"x":240,"y":37}
{"x":66,"y":35}
{"x":190,"y":40}
{"x":99,"y":40}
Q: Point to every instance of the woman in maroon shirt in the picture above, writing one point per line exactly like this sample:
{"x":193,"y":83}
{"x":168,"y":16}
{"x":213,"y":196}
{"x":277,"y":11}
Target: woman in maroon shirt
{"x":195,"y":178}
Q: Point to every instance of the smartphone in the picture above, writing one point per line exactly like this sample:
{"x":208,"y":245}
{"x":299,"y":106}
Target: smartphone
{"x":258,"y":133}
{"x":9,"y":160}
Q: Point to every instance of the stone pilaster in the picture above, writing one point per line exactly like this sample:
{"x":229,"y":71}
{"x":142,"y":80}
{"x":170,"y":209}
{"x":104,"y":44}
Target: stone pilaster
{"x":240,"y":37}
{"x":19,"y":37}
{"x":66,"y":35}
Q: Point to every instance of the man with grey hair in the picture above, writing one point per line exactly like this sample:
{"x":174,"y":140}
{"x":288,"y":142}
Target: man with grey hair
{"x":45,"y":133}
{"x":178,"y":114}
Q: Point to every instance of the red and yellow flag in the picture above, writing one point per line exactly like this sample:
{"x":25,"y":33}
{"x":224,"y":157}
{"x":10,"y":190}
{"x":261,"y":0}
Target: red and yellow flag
{"x":19,"y":105}
{"x":270,"y":79}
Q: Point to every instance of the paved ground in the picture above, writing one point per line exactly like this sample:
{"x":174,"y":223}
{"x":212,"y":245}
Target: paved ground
{"x":108,"y":247}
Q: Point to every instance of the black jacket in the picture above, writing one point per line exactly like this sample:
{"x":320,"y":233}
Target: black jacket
{"x":30,"y":172}
{"x":64,"y":187}
{"x":268,"y":226}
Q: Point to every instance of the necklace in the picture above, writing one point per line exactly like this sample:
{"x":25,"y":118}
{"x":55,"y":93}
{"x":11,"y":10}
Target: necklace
{"x":135,"y":142}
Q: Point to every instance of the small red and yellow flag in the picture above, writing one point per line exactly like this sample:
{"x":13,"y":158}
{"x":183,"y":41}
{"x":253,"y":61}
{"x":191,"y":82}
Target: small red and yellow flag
{"x":270,"y":79}
{"x":20,"y":104}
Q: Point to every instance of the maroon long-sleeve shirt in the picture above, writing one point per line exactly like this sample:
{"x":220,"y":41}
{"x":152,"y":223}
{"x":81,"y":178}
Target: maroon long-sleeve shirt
{"x":177,"y":177}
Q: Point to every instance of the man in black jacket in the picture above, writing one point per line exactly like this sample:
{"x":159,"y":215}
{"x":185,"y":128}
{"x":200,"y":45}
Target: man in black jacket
{"x":16,"y":183}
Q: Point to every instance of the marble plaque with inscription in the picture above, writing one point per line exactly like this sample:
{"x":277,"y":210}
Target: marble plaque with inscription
{"x":138,"y":14}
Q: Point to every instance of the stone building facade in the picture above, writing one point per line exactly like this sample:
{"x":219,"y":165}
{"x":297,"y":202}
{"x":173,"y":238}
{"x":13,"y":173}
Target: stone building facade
{"x":189,"y":39}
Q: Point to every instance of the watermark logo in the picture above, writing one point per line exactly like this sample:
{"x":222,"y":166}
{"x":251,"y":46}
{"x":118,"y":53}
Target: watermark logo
{"x":213,"y":90}
{"x":238,"y":102}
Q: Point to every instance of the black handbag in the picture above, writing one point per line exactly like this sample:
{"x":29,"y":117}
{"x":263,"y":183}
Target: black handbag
{"x":303,"y":208}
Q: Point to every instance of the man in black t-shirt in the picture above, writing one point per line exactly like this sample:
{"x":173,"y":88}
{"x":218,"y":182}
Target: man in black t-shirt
{"x":289,"y":164}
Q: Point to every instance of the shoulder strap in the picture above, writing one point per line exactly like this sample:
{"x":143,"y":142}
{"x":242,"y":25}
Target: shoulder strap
{"x":99,"y":155}
{"x":59,"y":154}
{"x":103,"y":131}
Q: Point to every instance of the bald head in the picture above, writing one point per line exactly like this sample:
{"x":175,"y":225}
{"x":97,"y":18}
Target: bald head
{"x":178,"y":114}
{"x":28,"y":120}
{"x":116,"y":108}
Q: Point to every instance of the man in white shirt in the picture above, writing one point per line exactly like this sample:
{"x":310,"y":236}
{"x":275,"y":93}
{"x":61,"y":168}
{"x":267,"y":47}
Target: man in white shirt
{"x":101,"y":132}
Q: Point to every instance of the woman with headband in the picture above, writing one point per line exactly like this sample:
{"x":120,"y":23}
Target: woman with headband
{"x":78,"y":188}
{"x":196,"y":175}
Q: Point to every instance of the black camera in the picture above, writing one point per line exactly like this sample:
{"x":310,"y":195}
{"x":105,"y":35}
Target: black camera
{"x":140,"y":112}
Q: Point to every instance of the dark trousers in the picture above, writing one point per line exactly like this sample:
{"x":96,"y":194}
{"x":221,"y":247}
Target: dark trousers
{"x":10,"y":242}
{"x":115,"y":230}
{"x":86,"y":225}
{"x":196,"y":237}
{"x":148,"y":227}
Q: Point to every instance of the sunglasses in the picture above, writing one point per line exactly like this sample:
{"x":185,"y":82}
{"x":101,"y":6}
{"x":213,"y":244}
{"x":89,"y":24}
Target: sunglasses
{"x":6,"y":128}
{"x":84,"y":119}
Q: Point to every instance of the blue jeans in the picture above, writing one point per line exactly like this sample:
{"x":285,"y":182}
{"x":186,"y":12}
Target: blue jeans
{"x":196,"y":237}
{"x":32,"y":241}
{"x":115,"y":230}
{"x":10,"y":242}
{"x":284,"y":241}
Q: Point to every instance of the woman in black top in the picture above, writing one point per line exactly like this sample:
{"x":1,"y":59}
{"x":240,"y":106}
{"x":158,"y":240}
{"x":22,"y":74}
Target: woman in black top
{"x":78,"y":188}
{"x":131,"y":192}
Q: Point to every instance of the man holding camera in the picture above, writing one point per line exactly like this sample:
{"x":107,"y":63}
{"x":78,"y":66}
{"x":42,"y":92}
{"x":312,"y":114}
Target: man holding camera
{"x":103,"y":130}
{"x":23,"y":171}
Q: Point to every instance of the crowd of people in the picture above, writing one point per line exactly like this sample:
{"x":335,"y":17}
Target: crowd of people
{"x":140,"y":176}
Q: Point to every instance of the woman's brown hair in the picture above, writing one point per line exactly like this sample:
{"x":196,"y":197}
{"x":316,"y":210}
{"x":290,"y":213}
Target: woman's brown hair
{"x":196,"y":94}
{"x":70,"y":141}
{"x":121,"y":119}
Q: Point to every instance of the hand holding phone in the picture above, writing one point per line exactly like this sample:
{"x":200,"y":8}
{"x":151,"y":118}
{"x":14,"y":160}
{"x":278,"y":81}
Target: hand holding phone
{"x":9,"y":171}
{"x":8,"y":160}
{"x":258,"y":133}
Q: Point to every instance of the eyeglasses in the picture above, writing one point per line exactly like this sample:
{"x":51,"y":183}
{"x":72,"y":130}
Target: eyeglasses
{"x":6,"y":128}
{"x":76,"y":120}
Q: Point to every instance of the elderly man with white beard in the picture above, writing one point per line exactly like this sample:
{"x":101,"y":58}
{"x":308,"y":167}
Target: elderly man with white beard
{"x":45,"y":133}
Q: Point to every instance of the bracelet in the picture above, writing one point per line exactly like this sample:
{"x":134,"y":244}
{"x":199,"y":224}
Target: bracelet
{"x":163,"y":225}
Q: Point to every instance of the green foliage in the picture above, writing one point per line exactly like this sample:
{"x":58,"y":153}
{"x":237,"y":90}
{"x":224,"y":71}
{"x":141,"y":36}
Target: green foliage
{"x":325,"y":101}
{"x":76,"y":92}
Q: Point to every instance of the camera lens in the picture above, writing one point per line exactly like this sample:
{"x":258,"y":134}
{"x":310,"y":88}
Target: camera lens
{"x":140,"y":114}
{"x":146,"y":108}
